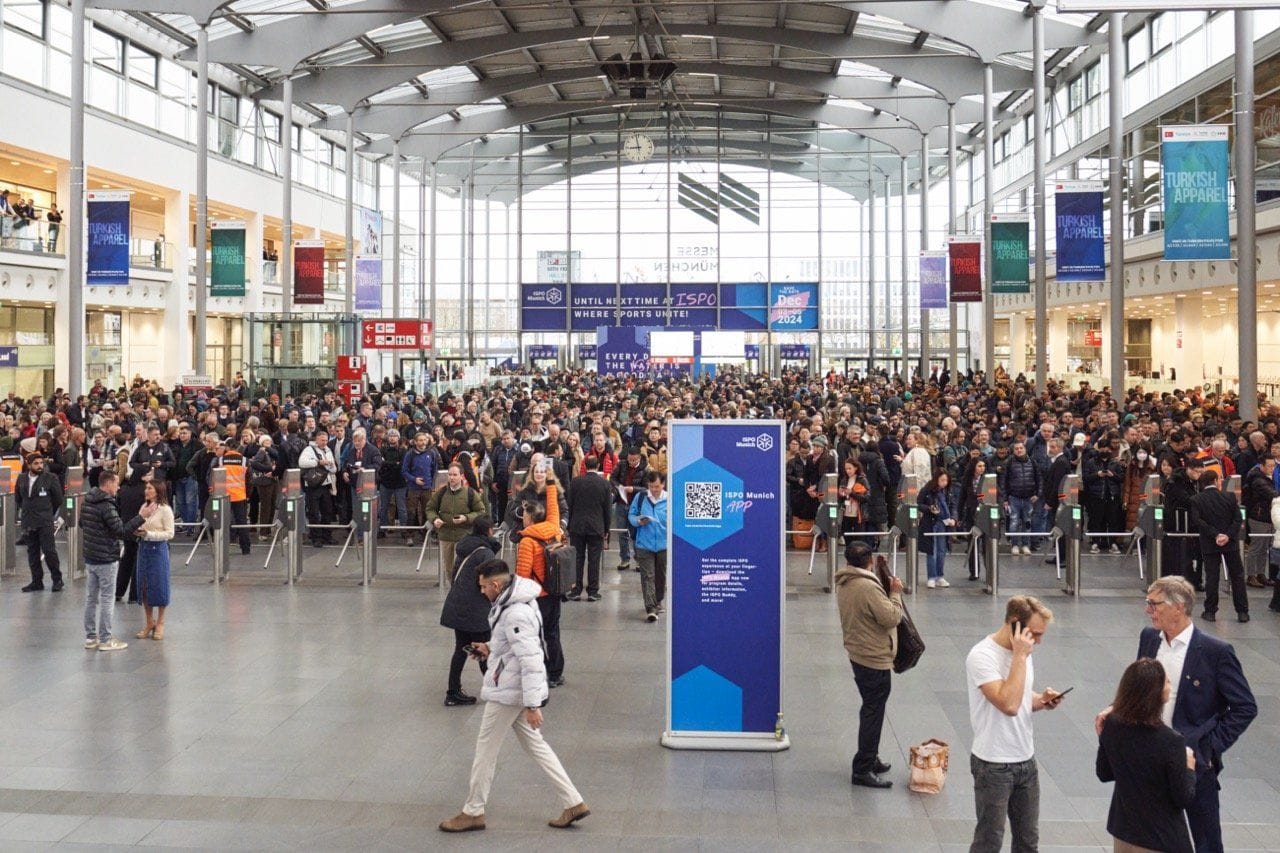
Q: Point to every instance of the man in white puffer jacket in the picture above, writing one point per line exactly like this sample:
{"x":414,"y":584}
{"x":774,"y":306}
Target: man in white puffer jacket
{"x":515,"y":689}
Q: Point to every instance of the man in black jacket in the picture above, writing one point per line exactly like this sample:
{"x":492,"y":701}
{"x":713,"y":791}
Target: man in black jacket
{"x":39,"y":496}
{"x":1059,"y":467}
{"x":1215,"y":515}
{"x":103,"y":533}
{"x":590,"y":499}
{"x":1257,"y":493}
{"x":465,"y":609}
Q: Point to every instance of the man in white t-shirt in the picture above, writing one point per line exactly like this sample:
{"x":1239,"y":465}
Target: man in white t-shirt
{"x":999,"y":672}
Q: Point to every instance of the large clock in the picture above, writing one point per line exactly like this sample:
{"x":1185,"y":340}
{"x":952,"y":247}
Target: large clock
{"x":637,"y":147}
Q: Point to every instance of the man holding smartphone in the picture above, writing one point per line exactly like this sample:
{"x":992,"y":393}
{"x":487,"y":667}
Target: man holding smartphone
{"x":1000,"y":673}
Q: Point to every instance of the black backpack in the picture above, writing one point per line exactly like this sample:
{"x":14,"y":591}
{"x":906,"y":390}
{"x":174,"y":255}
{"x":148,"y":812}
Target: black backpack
{"x":560,"y":562}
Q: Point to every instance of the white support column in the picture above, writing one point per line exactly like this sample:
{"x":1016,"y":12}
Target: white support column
{"x":1058,"y":341}
{"x":1188,"y":346}
{"x":202,"y":197}
{"x":286,"y":201}
{"x":177,"y":303}
{"x":255,"y":300}
{"x":924,"y":247}
{"x":1113,"y":362}
{"x":953,"y":345}
{"x":988,"y":205}
{"x":1039,"y":154}
{"x":395,"y":231}
{"x":349,"y":219}
{"x":76,"y":213}
{"x":1017,"y":344}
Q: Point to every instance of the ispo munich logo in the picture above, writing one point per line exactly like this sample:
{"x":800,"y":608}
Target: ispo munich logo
{"x":763,"y":441}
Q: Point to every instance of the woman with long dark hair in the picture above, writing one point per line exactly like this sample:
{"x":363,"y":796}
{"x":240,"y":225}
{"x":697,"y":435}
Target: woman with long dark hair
{"x":970,"y":499}
{"x":1150,"y":763}
{"x":935,"y":517}
{"x":854,"y":491}
{"x":153,"y":558}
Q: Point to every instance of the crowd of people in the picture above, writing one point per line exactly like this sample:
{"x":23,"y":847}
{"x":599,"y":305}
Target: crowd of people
{"x":573,"y":458}
{"x":18,"y":215}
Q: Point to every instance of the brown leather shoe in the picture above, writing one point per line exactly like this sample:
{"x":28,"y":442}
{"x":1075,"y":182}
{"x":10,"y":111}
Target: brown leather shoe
{"x":569,"y":817}
{"x":1256,"y":582}
{"x":463,"y":822}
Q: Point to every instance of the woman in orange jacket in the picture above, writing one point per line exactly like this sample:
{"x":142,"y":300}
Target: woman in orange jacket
{"x":542,"y":525}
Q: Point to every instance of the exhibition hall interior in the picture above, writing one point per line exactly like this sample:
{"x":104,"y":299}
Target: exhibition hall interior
{"x":712,"y":392}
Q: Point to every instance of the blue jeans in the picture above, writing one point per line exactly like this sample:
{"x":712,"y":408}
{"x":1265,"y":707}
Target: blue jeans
{"x":1022,"y":513}
{"x":387,"y":497}
{"x":186,"y":500}
{"x":99,"y":600}
{"x":623,"y":532}
{"x":937,"y":556}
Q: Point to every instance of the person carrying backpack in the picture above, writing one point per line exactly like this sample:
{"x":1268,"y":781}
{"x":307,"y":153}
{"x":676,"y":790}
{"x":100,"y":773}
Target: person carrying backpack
{"x":542,"y":526}
{"x":452,"y":510}
{"x":648,"y":516}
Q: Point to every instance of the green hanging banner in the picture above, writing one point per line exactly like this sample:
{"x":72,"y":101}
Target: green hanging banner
{"x":226,"y":241}
{"x":1010,"y":253}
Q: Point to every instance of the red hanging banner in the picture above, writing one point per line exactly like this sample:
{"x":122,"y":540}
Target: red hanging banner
{"x":308,"y":272}
{"x":964,"y":256}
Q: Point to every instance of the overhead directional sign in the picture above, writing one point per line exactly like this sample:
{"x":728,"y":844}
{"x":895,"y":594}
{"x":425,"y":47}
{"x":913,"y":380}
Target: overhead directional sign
{"x":396,"y":334}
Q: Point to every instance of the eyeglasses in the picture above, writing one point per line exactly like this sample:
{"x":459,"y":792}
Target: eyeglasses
{"x":1152,"y":605}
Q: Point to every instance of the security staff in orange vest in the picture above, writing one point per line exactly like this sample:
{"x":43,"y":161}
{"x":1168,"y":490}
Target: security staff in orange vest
{"x":230,"y":459}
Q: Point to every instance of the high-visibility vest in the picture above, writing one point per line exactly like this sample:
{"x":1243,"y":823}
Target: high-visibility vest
{"x":233,"y":463}
{"x":12,"y":461}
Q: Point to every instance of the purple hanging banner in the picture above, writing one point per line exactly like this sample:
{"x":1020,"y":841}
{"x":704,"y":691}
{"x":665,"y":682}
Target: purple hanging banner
{"x":933,"y":280}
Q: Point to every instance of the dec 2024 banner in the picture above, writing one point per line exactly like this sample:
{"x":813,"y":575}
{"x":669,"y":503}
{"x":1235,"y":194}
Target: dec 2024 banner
{"x":1196,"y":219}
{"x":726,"y":585}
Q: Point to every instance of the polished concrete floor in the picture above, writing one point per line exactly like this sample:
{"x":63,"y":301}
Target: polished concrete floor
{"x":311,"y":717}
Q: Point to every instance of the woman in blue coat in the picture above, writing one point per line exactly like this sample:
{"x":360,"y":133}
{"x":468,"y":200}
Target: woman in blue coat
{"x":936,"y":516}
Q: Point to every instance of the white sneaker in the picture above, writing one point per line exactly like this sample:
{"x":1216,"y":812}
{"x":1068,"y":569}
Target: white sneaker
{"x":651,"y":617}
{"x":1115,"y":549}
{"x":932,"y":584}
{"x":91,"y":643}
{"x":942,"y":582}
{"x":112,"y":645}
{"x":1093,"y":549}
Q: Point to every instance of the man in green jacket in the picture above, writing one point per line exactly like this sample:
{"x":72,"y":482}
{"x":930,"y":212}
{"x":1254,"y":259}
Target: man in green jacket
{"x":869,"y":618}
{"x":451,"y":511}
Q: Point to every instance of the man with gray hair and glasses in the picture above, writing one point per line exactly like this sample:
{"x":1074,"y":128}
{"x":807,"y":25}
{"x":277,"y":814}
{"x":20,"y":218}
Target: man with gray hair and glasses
{"x":1210,"y":703}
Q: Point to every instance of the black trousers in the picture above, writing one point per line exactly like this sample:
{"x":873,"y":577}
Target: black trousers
{"x":459,"y":660}
{"x":499,"y":503}
{"x":40,"y":541}
{"x":1204,"y":816}
{"x":873,"y":686}
{"x":590,"y":550}
{"x":1213,"y":576}
{"x":128,"y":565}
{"x":240,"y":515}
{"x":549,"y":606}
{"x":320,"y":511}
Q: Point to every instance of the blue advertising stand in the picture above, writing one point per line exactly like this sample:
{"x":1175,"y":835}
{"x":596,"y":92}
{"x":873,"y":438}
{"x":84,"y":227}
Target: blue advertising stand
{"x":726,"y":586}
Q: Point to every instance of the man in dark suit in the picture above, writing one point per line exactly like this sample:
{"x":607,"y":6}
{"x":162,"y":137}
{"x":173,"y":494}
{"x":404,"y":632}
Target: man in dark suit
{"x":1215,"y":515}
{"x":1210,"y":703}
{"x":39,"y":496}
{"x":590,"y":502}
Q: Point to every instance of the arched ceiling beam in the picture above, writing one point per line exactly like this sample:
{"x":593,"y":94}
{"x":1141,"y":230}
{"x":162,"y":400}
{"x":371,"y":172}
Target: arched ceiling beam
{"x":952,"y":76}
{"x":396,"y":118}
{"x":286,"y":43}
{"x":201,"y":11}
{"x":988,"y":30}
{"x":506,"y":194}
{"x":839,"y":170}
{"x":503,"y":152}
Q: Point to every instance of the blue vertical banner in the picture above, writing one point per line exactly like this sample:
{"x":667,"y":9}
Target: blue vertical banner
{"x":933,"y":280}
{"x":1078,"y":229}
{"x":726,"y":586}
{"x":1194,"y":160}
{"x":107,"y":259}
{"x":368,"y":282}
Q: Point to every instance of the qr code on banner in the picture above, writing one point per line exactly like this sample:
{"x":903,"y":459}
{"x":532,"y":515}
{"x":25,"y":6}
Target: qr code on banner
{"x":702,"y":501}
